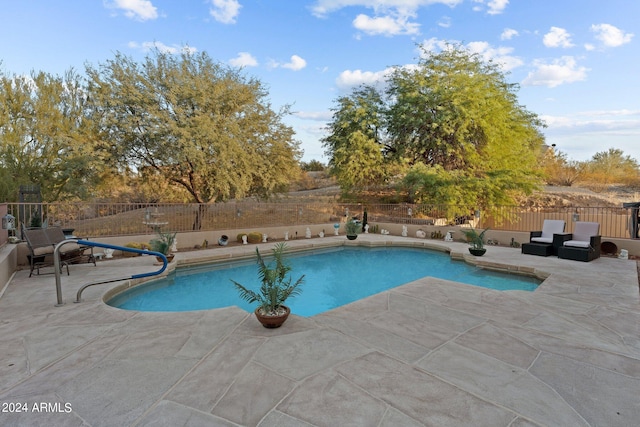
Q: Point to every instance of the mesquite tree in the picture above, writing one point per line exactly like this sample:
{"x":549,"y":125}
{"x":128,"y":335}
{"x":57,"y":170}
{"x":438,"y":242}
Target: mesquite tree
{"x":205,"y":128}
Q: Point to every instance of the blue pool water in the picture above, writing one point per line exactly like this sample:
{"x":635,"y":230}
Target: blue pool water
{"x":332,"y":278}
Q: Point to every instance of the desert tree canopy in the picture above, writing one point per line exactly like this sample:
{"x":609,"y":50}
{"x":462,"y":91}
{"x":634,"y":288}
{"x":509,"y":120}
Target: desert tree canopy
{"x":451,"y":111}
{"x":45,"y":136}
{"x":205,"y":128}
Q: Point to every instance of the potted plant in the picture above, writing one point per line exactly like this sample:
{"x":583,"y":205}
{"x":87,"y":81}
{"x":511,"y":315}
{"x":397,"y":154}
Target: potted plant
{"x":352,"y":228}
{"x":163,"y":243}
{"x":476,"y":240}
{"x":276,"y":286}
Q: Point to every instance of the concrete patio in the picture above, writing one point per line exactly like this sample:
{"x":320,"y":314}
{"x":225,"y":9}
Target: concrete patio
{"x":431,"y":352}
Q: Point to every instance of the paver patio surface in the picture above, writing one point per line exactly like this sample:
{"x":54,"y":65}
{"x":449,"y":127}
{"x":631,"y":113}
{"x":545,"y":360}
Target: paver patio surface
{"x":429,"y":353}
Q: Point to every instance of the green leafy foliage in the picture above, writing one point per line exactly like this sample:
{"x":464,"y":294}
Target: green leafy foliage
{"x":163,"y":242}
{"x":45,"y":137}
{"x":352,"y":228}
{"x":458,"y":111}
{"x":277,"y":284}
{"x":355,"y":140}
{"x":202,"y":127}
{"x":476,"y":240}
{"x":454,"y":116}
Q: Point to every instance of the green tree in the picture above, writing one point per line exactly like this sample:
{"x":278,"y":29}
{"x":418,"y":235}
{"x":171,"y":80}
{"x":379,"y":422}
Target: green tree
{"x":457,"y":111}
{"x":45,"y":136}
{"x":206,"y":129}
{"x":453,"y":113}
{"x":355,"y":142}
{"x":463,"y":192}
{"x":312,"y":166}
{"x":359,"y":163}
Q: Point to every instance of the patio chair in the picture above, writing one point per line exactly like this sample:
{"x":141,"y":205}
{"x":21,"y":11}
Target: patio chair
{"x":70,"y":252}
{"x":583,"y":244}
{"x":542,"y":242}
{"x":40,"y":250}
{"x":42,"y":242}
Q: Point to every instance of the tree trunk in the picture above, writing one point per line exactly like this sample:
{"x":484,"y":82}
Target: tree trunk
{"x":200,"y":213}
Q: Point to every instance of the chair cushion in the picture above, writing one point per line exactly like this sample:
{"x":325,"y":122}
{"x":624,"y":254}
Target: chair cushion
{"x":551,"y":227}
{"x":584,"y":230}
{"x":542,"y":239}
{"x":43,"y":250}
{"x":71,"y":247}
{"x":577,"y":243}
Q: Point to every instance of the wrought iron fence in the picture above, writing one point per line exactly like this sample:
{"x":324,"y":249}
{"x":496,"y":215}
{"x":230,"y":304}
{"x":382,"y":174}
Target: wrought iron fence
{"x":121,"y":219}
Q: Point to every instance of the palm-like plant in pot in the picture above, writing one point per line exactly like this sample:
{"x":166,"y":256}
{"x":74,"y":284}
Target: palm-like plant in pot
{"x":352,"y":228}
{"x":276,"y":287}
{"x":163,"y":243}
{"x":476,"y":240}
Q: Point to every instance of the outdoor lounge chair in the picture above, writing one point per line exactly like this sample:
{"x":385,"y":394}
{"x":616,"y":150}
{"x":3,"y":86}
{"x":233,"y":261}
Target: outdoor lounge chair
{"x":583,"y":244}
{"x":41,"y":243}
{"x":542,"y":242}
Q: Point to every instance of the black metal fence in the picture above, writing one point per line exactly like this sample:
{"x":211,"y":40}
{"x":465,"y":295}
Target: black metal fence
{"x":120,"y":219}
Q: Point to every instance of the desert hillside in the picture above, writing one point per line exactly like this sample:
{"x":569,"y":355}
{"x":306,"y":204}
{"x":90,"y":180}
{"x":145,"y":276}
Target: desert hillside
{"x":319,"y":186}
{"x":613,"y":196}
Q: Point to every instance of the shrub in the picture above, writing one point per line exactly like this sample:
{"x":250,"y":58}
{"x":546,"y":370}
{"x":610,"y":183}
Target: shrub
{"x":252,"y":237}
{"x":134,"y":245}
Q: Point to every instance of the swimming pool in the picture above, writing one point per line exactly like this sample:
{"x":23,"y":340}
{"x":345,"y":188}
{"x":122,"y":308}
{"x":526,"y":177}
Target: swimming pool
{"x":333,"y":277}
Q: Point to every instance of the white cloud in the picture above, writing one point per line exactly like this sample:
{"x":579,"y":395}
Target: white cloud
{"x":244,"y":59}
{"x":141,"y":10}
{"x":352,"y":78}
{"x":557,"y":37}
{"x":583,"y":133}
{"x":385,"y":25}
{"x":445,"y":22}
{"x":500,"y":55}
{"x":147,"y":46}
{"x":321,"y":116}
{"x":296,"y":63}
{"x":508,"y":34}
{"x":611,"y":36}
{"x":559,"y":71}
{"x":433,"y":44}
{"x":390,"y":17}
{"x":225,"y":11}
{"x":407,"y":7}
{"x":495,"y":7}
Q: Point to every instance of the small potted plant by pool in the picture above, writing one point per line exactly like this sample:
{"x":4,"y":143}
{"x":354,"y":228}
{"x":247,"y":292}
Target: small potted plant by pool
{"x":476,"y":240}
{"x":352,"y":228}
{"x":163,"y":244}
{"x":276,"y":287}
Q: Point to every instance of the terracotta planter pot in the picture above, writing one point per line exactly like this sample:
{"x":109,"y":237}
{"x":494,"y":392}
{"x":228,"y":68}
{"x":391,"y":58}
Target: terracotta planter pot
{"x":272,"y":321}
{"x":169,"y":258}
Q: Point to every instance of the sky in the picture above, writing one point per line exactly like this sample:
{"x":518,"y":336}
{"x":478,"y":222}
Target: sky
{"x":577,"y":62}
